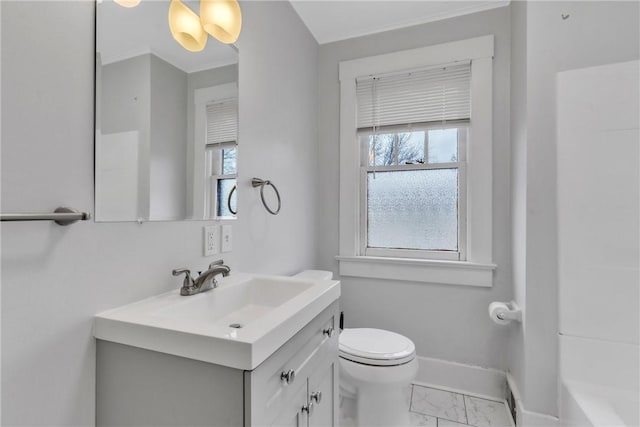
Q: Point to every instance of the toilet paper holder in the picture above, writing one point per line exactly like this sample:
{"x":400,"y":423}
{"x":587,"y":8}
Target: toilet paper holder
{"x":505,"y":312}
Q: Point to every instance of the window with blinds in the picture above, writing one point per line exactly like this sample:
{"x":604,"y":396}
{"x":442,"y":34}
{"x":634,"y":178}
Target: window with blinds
{"x":222,"y":121}
{"x":435,"y":95}
{"x":221,"y":157}
{"x":413,"y":127}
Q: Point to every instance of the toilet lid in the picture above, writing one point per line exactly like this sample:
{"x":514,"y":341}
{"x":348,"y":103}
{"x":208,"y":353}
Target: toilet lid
{"x":376,"y":347}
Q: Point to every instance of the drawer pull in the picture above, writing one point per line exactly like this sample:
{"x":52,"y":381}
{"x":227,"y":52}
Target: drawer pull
{"x":328,"y":332}
{"x":316,"y":396}
{"x":288,"y":377}
{"x":308,"y":408}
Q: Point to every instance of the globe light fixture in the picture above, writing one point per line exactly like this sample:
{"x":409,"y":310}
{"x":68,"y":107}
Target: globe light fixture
{"x":127,"y":3}
{"x":186,"y":27}
{"x":222,"y":19}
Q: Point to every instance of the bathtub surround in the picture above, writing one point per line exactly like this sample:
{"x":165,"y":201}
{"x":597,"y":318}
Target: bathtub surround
{"x":598,"y":244}
{"x":55,"y":279}
{"x":543,"y":44}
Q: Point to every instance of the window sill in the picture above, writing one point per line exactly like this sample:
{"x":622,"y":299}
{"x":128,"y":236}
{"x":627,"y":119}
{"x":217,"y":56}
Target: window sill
{"x":418,"y":270}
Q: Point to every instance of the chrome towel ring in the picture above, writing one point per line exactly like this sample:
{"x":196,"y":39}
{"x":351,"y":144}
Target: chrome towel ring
{"x":229,"y":201}
{"x":257,"y":182}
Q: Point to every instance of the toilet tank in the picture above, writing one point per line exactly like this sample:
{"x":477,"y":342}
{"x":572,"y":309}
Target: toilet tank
{"x":315,"y":275}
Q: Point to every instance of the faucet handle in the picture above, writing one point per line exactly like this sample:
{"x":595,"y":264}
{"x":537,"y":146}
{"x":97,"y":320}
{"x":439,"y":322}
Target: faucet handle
{"x":188,"y":280}
{"x":179,"y":271}
{"x":216,"y":262}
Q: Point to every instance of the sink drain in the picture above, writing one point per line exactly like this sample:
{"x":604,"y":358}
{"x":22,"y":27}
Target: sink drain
{"x":235,"y":325}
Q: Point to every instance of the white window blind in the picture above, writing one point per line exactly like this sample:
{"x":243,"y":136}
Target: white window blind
{"x":222,"y":121}
{"x":425,"y":96}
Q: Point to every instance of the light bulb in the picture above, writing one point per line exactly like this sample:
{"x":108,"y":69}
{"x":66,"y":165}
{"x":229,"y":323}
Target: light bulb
{"x":186,"y":27}
{"x":222,"y":19}
{"x":127,"y":3}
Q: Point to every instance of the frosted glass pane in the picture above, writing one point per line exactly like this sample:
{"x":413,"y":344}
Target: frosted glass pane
{"x":443,"y":145}
{"x":413,"y":209}
{"x":224,"y":187}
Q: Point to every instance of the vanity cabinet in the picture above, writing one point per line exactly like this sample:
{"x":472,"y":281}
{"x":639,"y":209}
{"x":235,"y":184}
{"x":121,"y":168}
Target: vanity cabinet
{"x":296,"y":386}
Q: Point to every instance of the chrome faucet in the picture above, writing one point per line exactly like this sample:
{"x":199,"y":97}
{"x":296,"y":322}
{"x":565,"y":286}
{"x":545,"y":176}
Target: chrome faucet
{"x":205,"y":280}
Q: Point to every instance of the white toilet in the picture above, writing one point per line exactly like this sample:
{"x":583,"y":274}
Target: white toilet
{"x":376,"y":367}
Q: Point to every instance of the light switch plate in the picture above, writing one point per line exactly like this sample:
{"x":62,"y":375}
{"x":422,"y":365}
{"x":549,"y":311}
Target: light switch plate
{"x":227,"y":238}
{"x":210,"y":240}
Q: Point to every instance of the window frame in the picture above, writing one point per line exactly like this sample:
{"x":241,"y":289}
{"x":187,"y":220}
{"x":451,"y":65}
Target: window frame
{"x":200,"y":201}
{"x":460,"y":165}
{"x":476,"y":267}
{"x":214,"y":164}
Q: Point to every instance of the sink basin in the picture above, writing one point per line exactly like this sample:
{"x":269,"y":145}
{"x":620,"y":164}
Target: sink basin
{"x":239,"y":324}
{"x":235,"y":303}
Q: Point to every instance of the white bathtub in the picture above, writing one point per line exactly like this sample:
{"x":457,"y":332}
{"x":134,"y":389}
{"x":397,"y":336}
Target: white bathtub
{"x":600,"y":383}
{"x":585,"y":404}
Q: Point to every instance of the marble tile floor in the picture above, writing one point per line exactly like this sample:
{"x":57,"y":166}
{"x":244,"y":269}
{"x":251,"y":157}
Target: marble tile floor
{"x":433,"y":407}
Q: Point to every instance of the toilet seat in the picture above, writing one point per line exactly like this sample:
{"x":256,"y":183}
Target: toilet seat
{"x":376,"y":347}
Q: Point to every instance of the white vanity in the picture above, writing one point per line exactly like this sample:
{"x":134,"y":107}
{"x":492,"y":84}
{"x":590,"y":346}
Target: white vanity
{"x":257,"y":350}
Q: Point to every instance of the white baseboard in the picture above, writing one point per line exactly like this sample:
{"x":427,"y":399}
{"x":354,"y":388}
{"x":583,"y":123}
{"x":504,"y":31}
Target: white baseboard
{"x":460,"y":377}
{"x":528,"y":418}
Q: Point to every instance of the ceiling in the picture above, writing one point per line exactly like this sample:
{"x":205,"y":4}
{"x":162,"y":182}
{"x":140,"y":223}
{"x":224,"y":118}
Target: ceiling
{"x":127,"y":32}
{"x":333,"y":20}
{"x":124,"y":33}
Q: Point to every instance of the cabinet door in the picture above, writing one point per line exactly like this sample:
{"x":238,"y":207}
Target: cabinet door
{"x":324,"y":383}
{"x":292,"y":414}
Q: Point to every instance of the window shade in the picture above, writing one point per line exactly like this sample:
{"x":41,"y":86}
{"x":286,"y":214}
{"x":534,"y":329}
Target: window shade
{"x":431,"y":95}
{"x":222,"y":121}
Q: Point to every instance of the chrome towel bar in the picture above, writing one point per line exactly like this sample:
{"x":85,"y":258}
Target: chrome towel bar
{"x":61,"y":216}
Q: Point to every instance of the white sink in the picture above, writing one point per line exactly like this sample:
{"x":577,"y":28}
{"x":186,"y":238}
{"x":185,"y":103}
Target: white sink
{"x":239,"y":324}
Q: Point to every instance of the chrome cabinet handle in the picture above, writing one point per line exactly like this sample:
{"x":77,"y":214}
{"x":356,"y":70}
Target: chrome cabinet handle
{"x":316,"y":396}
{"x":288,"y":377}
{"x":308,"y":408}
{"x":328,"y":332}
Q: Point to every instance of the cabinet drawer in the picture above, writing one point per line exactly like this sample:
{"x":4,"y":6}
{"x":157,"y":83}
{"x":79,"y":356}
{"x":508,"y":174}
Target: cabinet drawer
{"x":266,"y":392}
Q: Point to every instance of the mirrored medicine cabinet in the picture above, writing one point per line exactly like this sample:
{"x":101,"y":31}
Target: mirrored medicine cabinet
{"x":166,"y":120}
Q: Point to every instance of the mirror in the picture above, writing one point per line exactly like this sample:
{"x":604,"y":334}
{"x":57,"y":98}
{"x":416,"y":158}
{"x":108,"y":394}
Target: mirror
{"x":166,"y":119}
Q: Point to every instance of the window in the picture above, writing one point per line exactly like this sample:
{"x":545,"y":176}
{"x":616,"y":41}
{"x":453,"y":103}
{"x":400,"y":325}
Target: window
{"x":413,"y":162}
{"x":213,"y":152}
{"x":415,"y":194}
{"x":416,"y":164}
{"x":220,"y":176}
{"x":221,"y":158}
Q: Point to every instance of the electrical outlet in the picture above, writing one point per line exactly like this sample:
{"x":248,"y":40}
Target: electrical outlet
{"x":227,"y":238}
{"x":210,"y":240}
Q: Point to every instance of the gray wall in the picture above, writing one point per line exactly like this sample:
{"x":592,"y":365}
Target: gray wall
{"x":445,"y":321}
{"x":168,"y":170}
{"x":126,"y":106}
{"x":54,"y":279}
{"x":595,"y":33}
{"x":125,"y":95}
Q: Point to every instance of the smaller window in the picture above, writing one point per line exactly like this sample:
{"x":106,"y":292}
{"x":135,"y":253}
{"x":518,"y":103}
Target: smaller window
{"x":221,"y":153}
